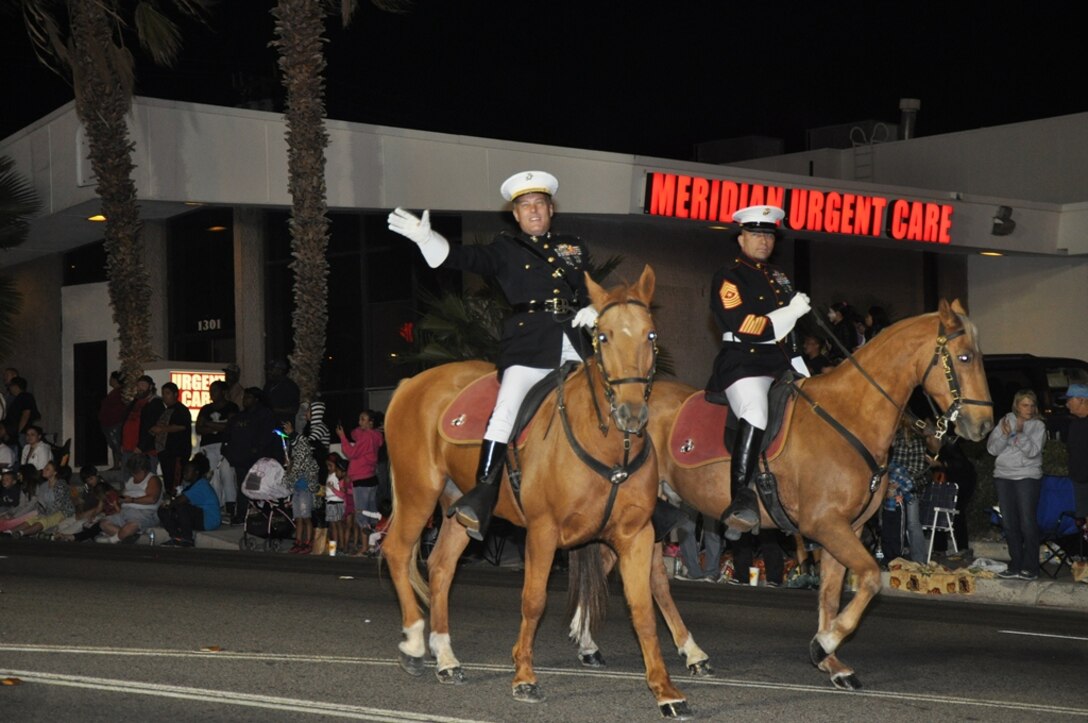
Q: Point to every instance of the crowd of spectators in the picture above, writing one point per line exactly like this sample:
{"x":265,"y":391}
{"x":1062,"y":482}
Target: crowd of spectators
{"x":155,"y":479}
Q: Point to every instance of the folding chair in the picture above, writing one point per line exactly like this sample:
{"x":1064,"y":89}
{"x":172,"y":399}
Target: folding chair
{"x":1057,"y":522}
{"x":938,"y":510}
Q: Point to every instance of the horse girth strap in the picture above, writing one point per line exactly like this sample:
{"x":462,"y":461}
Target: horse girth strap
{"x":876,"y":470}
{"x":616,"y":474}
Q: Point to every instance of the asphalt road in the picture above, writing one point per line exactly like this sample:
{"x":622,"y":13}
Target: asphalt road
{"x":97,"y":633}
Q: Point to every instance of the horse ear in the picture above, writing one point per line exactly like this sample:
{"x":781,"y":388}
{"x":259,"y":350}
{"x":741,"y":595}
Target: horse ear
{"x":644,"y":290}
{"x":597,"y":295}
{"x":948,"y":314}
{"x":958,"y":307}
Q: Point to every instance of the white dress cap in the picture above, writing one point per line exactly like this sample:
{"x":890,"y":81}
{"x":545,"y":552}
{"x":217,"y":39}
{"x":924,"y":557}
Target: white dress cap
{"x":529,"y":182}
{"x":759,"y":217}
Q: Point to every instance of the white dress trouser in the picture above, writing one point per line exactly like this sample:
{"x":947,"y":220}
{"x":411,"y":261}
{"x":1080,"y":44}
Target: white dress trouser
{"x":516,"y":383}
{"x":748,"y":399}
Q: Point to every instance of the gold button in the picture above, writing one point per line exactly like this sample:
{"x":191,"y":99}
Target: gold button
{"x":761,"y":297}
{"x":551,"y":259}
{"x":526,"y":265}
{"x":522,"y":323}
{"x":555,"y":291}
{"x":545,"y":245}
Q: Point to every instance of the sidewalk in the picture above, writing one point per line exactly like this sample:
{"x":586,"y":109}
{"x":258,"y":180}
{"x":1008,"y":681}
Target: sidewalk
{"x":1044,"y":592}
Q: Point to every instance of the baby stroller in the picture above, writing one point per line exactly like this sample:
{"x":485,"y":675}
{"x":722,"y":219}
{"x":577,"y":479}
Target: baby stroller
{"x":268,"y":513}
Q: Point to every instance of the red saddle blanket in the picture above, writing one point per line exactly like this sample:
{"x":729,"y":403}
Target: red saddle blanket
{"x":464,"y":420}
{"x":697,"y":433}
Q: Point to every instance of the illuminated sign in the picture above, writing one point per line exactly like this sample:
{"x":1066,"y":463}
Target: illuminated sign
{"x":193,"y":387}
{"x":807,"y":209}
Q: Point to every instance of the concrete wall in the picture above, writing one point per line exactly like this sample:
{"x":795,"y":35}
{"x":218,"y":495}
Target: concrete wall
{"x":1043,"y":161}
{"x":35,"y":353}
{"x":1032,"y":305}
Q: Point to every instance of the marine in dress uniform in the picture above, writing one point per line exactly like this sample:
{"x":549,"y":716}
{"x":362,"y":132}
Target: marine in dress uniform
{"x":756,"y":307}
{"x":541,"y":274}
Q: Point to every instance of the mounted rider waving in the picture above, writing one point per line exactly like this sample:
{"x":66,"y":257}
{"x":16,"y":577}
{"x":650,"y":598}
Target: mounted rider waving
{"x":541,"y":274}
{"x":756,"y":307}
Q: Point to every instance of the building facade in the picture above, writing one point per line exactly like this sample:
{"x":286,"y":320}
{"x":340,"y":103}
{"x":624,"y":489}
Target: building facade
{"x":212,"y":184}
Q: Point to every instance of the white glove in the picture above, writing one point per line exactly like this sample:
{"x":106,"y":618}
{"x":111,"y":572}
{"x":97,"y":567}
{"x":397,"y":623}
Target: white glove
{"x":433,"y":245}
{"x":783,"y":320}
{"x":585,"y":318}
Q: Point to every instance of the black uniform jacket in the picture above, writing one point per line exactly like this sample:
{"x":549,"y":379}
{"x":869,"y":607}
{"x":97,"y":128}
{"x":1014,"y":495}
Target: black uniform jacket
{"x":532,"y":336}
{"x":741,"y":294}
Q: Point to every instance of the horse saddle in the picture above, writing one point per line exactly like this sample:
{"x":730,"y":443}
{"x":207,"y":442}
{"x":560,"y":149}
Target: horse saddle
{"x":464,"y":419}
{"x":697,"y":438}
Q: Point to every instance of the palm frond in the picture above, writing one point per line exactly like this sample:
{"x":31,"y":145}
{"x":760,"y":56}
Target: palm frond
{"x":11,"y":304}
{"x":18,"y":203}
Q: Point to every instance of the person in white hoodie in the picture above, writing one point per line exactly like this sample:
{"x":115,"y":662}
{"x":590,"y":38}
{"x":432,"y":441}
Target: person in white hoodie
{"x":1018,"y":441}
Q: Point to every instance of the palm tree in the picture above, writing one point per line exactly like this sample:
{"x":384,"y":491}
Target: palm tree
{"x":18,"y":202}
{"x":299,"y":40}
{"x":84,"y":41}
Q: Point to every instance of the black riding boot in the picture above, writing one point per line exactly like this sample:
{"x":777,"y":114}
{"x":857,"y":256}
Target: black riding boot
{"x":743,"y":515}
{"x":473,"y":509}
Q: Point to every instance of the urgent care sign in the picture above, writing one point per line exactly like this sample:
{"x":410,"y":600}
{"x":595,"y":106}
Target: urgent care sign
{"x":194,"y":386}
{"x":807,"y":209}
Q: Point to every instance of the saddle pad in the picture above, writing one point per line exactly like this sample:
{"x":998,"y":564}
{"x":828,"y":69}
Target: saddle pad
{"x":696,"y":437}
{"x":464,"y":420}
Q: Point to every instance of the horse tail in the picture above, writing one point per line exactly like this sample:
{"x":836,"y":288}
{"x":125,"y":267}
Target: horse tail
{"x":587,"y":595}
{"x":415,"y":577}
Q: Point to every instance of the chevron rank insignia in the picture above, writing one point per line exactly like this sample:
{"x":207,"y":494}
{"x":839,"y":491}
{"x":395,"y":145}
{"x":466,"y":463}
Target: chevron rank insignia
{"x":730,"y":295}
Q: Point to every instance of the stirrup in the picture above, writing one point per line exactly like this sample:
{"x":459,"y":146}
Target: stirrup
{"x":742,"y":515}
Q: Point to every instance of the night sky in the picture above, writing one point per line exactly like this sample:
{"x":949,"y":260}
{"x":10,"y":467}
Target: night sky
{"x":651,"y":79}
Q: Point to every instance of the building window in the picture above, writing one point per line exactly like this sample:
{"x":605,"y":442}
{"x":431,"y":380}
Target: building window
{"x":85,"y":265}
{"x":200,"y":279}
{"x":374,"y":279}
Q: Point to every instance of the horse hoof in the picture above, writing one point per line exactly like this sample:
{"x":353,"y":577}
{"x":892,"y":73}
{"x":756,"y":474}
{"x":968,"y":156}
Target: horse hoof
{"x":592,"y":660}
{"x":411,"y":665}
{"x":451,"y":676}
{"x":701,"y":669}
{"x":676,"y":711}
{"x":816,"y":652}
{"x":528,"y":693}
{"x":846,"y":681}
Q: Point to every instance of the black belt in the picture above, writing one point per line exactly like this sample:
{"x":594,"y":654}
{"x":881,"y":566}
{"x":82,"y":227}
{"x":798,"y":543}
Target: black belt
{"x":551,"y":306}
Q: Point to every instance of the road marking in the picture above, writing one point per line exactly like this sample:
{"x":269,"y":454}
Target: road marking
{"x":294,"y":705}
{"x":581,"y":673}
{"x":1042,"y":635}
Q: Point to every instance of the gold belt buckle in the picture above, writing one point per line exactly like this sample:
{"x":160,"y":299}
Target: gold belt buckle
{"x":557,"y":306}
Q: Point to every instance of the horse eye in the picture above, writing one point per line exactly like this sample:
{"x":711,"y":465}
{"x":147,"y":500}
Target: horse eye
{"x":652,"y":336}
{"x":602,"y":337}
{"x":964,"y":358}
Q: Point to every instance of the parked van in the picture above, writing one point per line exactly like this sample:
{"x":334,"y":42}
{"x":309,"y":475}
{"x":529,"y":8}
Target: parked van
{"x":1047,"y":376}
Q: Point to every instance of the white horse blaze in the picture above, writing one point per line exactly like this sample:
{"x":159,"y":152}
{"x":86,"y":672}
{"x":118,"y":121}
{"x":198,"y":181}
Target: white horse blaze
{"x":443,"y":651}
{"x":413,"y":640}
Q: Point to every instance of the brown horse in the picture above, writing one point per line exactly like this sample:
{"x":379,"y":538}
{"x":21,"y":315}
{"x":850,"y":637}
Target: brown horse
{"x":563,"y":500}
{"x":824,"y":483}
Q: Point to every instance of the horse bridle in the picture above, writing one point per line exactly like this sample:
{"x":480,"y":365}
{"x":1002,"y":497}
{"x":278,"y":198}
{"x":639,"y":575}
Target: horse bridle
{"x":942,"y":356}
{"x":619,"y":473}
{"x":609,"y":383}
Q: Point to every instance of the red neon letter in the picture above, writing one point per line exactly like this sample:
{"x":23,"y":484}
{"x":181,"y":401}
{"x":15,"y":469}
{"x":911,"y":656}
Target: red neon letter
{"x":798,"y":202}
{"x":683,"y":193}
{"x":662,"y":187}
{"x":699,"y":188}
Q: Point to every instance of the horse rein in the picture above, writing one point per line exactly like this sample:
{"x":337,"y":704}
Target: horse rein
{"x":940,"y":355}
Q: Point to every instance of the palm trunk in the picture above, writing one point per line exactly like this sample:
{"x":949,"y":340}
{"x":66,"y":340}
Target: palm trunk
{"x":103,"y":90}
{"x":299,"y":28}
